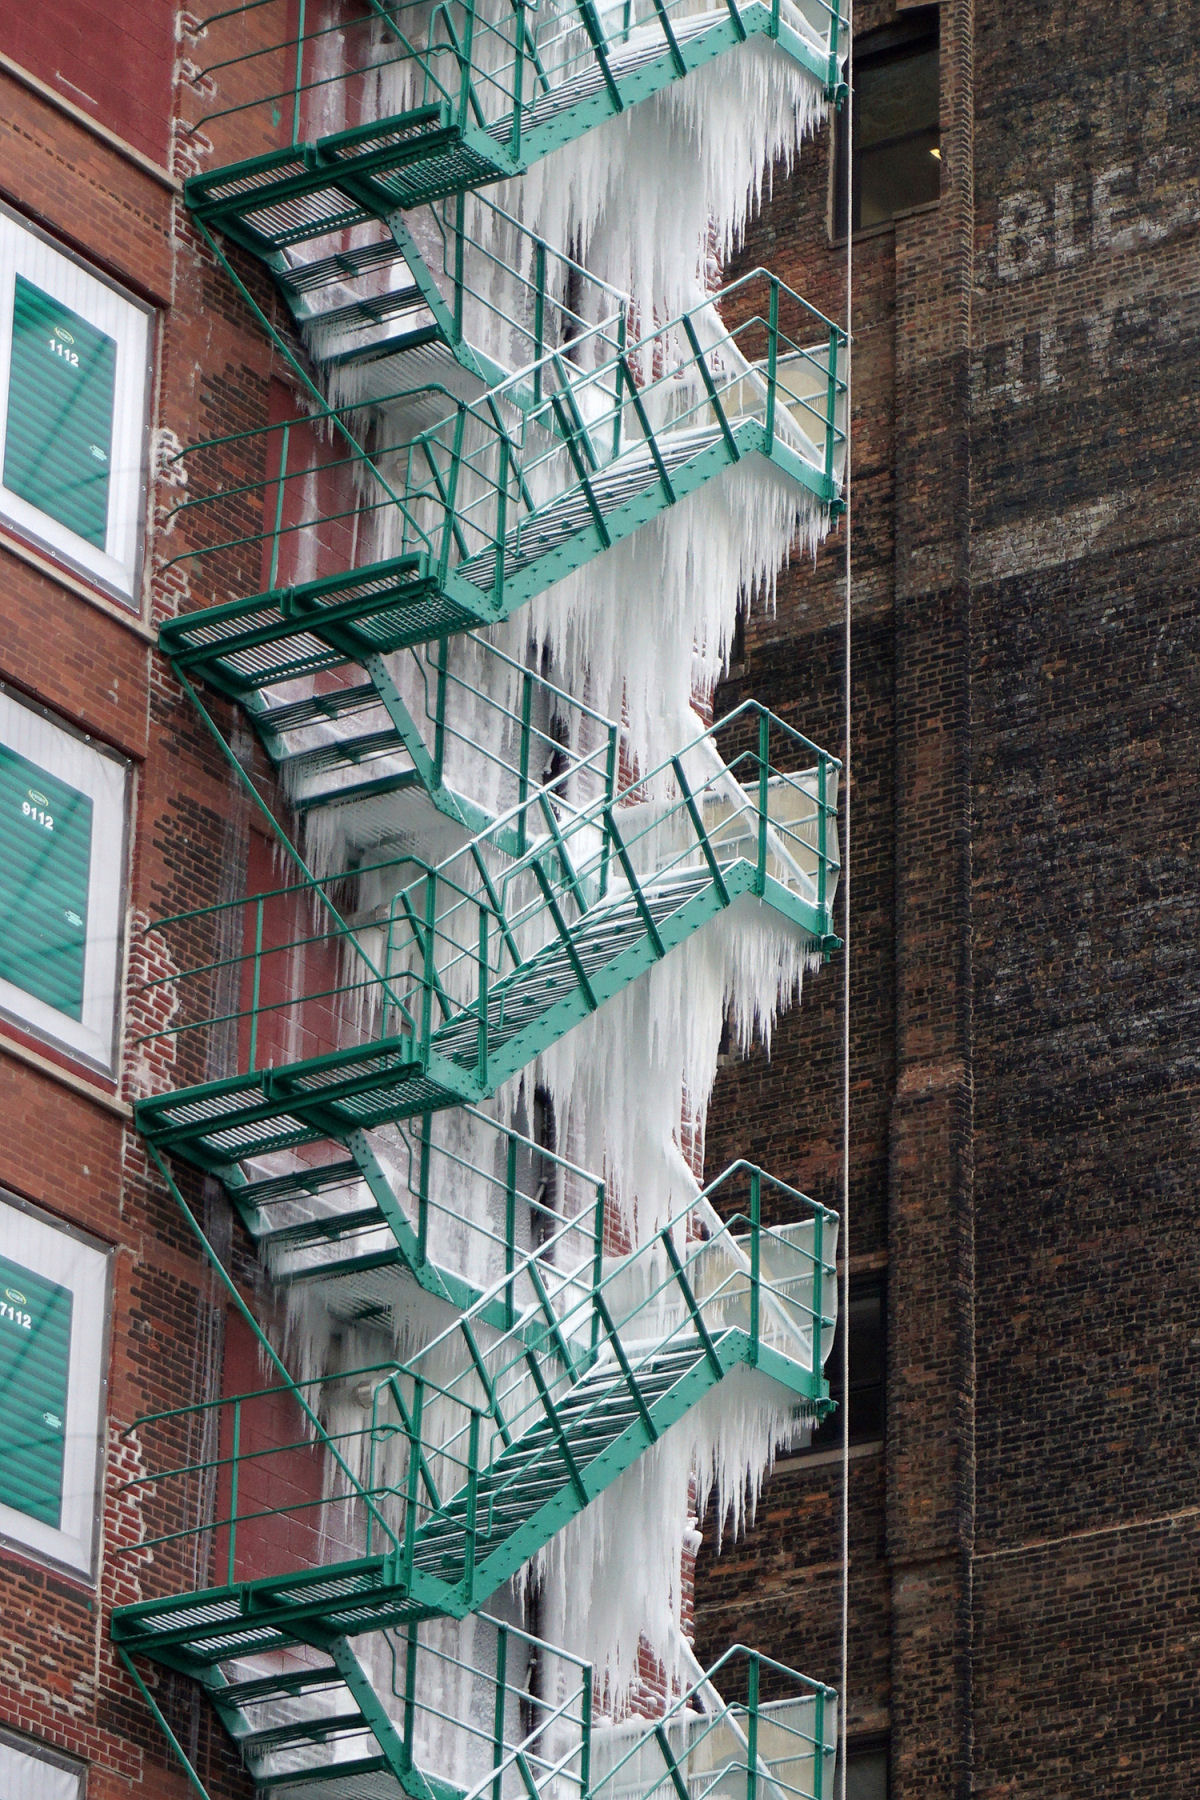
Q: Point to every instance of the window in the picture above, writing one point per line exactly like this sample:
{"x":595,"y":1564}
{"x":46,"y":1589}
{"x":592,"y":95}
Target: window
{"x":29,"y":1772}
{"x":62,"y":881}
{"x":897,"y":144}
{"x":73,"y":376}
{"x":868,"y":1367}
{"x":867,"y":1771}
{"x":53,"y":1338}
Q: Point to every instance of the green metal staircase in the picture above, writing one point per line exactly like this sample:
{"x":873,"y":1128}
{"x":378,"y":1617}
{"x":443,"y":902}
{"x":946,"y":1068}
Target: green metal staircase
{"x":458,"y":292}
{"x":447,"y":98}
{"x":479,"y":513}
{"x":439,"y":1488}
{"x":457,"y":976}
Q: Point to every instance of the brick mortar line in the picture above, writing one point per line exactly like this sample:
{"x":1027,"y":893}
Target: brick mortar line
{"x":1095,"y":1531}
{"x":105,"y":133}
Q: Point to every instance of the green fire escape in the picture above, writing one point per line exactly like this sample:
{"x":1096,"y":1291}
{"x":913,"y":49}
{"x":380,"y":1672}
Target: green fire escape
{"x":307,"y":1540}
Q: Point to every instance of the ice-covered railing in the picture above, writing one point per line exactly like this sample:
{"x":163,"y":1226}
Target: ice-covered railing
{"x":351,"y":86}
{"x":573,"y":451}
{"x":505,"y":292}
{"x":405,"y":953}
{"x":776,"y":1741}
{"x":481,"y":1198}
{"x":465,"y":1707}
{"x":488,"y":729}
{"x":478,"y":1430}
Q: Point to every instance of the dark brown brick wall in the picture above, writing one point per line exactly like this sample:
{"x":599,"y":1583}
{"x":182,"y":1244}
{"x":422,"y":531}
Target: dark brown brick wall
{"x":1025,"y":921}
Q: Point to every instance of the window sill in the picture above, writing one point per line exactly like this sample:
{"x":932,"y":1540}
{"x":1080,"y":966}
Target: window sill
{"x":124,"y":614}
{"x":889,"y":225}
{"x":824,"y":1459}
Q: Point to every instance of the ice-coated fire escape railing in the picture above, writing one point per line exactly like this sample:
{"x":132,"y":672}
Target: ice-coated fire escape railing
{"x":416,"y":987}
{"x":495,"y":501}
{"x":393,"y":1493}
{"x":374,"y":110}
{"x":374,"y":1715}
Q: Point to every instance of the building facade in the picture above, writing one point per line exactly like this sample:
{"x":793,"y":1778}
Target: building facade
{"x":1022,"y":1561}
{"x":378,"y":482}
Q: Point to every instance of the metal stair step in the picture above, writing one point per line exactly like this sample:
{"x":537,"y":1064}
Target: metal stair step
{"x":344,"y":752}
{"x":298,"y":1732}
{"x":343,"y":265}
{"x":261,"y":1688}
{"x":319,"y":709}
{"x":327,"y":1230}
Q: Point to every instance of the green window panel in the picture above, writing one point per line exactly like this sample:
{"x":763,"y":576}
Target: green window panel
{"x":58,"y":437}
{"x":45,"y":858}
{"x":35,"y":1355}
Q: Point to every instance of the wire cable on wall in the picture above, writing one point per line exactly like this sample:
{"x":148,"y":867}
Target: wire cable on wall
{"x":848,"y":176}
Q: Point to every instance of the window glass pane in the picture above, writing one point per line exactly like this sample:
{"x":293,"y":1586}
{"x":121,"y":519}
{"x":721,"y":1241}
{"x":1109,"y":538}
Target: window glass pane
{"x":53,"y":1346}
{"x":895,"y":96}
{"x":62,"y":881}
{"x":73,"y":386}
{"x":45,"y":856}
{"x":26,"y":1776}
{"x":867,"y":1775}
{"x":896,"y":176}
{"x":35,"y":1348}
{"x":868,"y":1364}
{"x":58,"y":442}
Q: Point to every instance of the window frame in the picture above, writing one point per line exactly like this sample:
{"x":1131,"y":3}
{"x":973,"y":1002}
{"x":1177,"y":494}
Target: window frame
{"x":863,"y":1285}
{"x":913,"y":31}
{"x":74,"y":283}
{"x":60,"y":1252}
{"x":46,"y":740}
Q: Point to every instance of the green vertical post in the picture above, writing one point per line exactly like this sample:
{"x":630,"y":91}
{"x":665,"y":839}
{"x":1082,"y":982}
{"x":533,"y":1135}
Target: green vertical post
{"x":510,"y":1231}
{"x":819,"y":1757}
{"x":818,"y":1298}
{"x":414,"y":1469}
{"x":752,"y":1728}
{"x":764,"y":764}
{"x":430,"y":959}
{"x":423,"y":1181}
{"x":523,"y":765}
{"x":585,"y":1740}
{"x":459,"y":277}
{"x":501,"y":522}
{"x":518,"y":66}
{"x":822,"y":834}
{"x":498,"y":1711}
{"x":755,"y":1258}
{"x":597,"y":1265}
{"x":233,"y":1490}
{"x":410,"y":1684}
{"x":772,"y":355}
{"x":471,"y":1520}
{"x":831,"y":405}
{"x":439,"y":723}
{"x":482,"y":1030}
{"x":539,"y":317}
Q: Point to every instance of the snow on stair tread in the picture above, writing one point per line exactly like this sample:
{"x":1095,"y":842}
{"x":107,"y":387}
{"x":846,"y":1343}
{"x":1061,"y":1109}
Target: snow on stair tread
{"x":621,"y":61}
{"x":508,"y":1499}
{"x":617,"y":482}
{"x":320,"y":709}
{"x":599,"y":937}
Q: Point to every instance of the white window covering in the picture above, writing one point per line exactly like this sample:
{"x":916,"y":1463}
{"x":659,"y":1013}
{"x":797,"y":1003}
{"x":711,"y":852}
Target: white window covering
{"x":62,"y":1257}
{"x":103,"y":777}
{"x":25,"y":253}
{"x":26,"y":1776}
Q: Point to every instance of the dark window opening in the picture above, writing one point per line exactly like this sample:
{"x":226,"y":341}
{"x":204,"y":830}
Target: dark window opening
{"x":897,"y":140}
{"x":867,"y":1770}
{"x":868,"y":1367}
